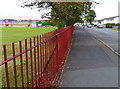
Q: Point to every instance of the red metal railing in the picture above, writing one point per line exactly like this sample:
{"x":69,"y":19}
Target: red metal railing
{"x":38,"y":61}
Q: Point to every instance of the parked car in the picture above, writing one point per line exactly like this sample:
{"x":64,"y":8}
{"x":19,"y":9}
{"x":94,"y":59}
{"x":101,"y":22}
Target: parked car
{"x":100,"y":26}
{"x":89,"y":25}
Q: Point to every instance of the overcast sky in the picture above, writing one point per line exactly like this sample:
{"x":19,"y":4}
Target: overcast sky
{"x":106,"y":8}
{"x":9,"y":9}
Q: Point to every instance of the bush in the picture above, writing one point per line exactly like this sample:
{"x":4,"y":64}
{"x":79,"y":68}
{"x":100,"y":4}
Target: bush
{"x":118,"y":24}
{"x":109,"y":25}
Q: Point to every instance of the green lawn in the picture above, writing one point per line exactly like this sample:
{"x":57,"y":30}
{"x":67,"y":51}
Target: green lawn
{"x":10,"y":34}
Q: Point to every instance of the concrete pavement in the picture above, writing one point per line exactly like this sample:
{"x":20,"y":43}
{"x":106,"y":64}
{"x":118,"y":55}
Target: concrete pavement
{"x":90,"y":63}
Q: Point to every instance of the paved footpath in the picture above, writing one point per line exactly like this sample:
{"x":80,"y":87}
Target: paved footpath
{"x":90,"y":63}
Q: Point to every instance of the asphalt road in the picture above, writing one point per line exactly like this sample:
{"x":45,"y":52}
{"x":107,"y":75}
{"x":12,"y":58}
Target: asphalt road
{"x":90,"y":63}
{"x":107,"y":35}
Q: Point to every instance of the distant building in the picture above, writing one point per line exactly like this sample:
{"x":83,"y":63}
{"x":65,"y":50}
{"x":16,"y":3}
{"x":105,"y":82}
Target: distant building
{"x":19,"y":23}
{"x":113,"y":19}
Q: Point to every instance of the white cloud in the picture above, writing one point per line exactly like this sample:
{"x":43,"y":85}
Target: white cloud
{"x":106,"y":8}
{"x":10,"y":10}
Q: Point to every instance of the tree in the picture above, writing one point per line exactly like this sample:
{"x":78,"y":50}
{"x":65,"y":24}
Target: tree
{"x":90,"y":16}
{"x":62,"y":13}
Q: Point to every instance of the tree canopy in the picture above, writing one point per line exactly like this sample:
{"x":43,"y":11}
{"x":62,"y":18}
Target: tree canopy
{"x":90,"y":16}
{"x":62,"y":13}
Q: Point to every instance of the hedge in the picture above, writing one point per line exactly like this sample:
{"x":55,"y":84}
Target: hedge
{"x":109,"y":25}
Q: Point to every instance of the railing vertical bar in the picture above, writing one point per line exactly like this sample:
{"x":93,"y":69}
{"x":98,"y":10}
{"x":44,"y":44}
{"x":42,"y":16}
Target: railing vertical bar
{"x":41,"y":61}
{"x":38,"y":62}
{"x":50,"y":54}
{"x":35,"y":62}
{"x":14,"y":62}
{"x":45,"y":60}
{"x":31,"y":63}
{"x":46,"y":46}
{"x":43,"y":38}
{"x":51,"y":49}
{"x":43,"y":52}
{"x":6,"y":67}
{"x":57,"y":61}
{"x":47,"y":57}
{"x":26,"y":64}
{"x":20,"y":46}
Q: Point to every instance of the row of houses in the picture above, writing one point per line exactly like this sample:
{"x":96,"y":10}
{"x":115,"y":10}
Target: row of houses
{"x":113,"y":19}
{"x":20,"y":23}
{"x":35,"y":23}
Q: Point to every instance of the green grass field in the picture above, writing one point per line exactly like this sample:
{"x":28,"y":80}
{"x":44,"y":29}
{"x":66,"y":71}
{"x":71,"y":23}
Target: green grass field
{"x":10,"y":34}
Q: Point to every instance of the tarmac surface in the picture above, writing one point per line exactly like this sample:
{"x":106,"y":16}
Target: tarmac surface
{"x":107,"y":35}
{"x":90,"y":63}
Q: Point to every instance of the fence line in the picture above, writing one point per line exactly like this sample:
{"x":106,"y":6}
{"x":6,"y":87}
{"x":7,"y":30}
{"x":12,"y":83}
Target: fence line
{"x":39,"y":63}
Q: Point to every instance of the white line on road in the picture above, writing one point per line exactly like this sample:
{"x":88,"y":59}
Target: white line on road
{"x":107,"y":46}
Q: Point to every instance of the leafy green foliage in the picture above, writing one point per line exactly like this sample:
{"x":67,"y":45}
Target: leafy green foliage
{"x":62,"y":13}
{"x":117,"y":24}
{"x":90,"y":16}
{"x":109,"y":25}
{"x":67,"y":13}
